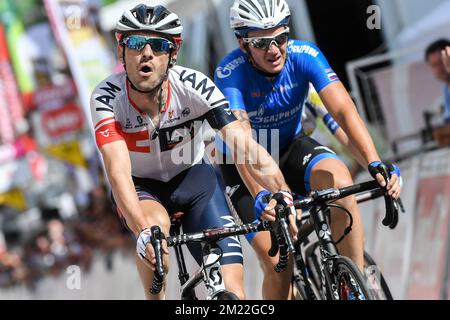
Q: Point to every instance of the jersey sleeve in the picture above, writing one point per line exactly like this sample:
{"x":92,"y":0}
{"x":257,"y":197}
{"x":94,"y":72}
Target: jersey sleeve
{"x":107,"y":129}
{"x":229,"y":82}
{"x":215,"y":106}
{"x":313,"y":64}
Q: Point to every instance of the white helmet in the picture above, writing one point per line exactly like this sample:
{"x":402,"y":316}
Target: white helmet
{"x":147,"y":18}
{"x":252,"y":15}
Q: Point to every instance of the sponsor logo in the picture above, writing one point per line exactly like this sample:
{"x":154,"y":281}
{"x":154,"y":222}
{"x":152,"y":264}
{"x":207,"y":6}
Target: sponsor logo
{"x":306,"y":158}
{"x":202,"y":87}
{"x":185,"y":112}
{"x":128,"y":124}
{"x":171,"y":120}
{"x":111,"y":89}
{"x":227,"y":110}
{"x":258,"y":117}
{"x":105,"y":133}
{"x":304,"y":49}
{"x":224,"y":72}
{"x":325,"y":148}
{"x":231,"y":190}
{"x":65,"y":120}
{"x":257,"y":94}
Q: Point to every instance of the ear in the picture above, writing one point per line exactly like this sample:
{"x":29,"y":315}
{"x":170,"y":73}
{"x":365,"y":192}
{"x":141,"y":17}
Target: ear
{"x":241,"y":45}
{"x":173,"y":58}
{"x":120,"y":49}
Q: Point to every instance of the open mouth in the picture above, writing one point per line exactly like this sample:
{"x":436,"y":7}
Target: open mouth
{"x":145,"y":70}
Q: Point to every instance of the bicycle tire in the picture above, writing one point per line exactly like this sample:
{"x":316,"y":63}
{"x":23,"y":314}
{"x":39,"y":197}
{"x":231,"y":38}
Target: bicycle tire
{"x":227,"y":295}
{"x":302,"y":291}
{"x":385,"y":292}
{"x":354,"y":287}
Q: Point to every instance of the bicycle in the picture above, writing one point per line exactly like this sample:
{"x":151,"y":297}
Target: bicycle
{"x":308,"y":250}
{"x":209,"y":272}
{"x":331,"y":276}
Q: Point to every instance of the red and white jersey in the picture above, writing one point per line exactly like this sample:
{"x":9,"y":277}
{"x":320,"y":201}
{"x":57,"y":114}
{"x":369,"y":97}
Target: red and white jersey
{"x":160,"y":153}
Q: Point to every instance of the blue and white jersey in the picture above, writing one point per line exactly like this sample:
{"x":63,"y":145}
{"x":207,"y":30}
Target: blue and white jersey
{"x":274,"y":106}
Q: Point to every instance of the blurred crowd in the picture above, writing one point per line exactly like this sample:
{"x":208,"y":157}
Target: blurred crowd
{"x":96,"y":231}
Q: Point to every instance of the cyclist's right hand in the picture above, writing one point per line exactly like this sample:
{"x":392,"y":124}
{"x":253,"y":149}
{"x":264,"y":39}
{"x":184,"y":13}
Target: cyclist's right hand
{"x":377,"y":170}
{"x":144,"y":248}
{"x":265,"y":209}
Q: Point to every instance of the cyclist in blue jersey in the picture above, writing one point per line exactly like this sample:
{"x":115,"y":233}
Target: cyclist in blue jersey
{"x":266,"y":82}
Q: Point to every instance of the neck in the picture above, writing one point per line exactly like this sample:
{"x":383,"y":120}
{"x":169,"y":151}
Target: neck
{"x":149,"y":102}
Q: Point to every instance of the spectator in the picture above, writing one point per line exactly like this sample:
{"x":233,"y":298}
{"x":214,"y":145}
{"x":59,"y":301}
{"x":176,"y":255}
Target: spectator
{"x":437,"y":56}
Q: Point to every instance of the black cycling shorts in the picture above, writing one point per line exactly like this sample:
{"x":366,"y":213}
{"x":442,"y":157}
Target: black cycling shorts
{"x":296,"y":163}
{"x":195,"y":192}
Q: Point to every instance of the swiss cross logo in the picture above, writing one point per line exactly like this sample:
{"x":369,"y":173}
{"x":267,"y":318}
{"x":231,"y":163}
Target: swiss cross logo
{"x":105,"y":133}
{"x":171,"y":114}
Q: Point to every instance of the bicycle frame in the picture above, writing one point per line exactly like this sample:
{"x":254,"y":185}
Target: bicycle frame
{"x":328,"y":250}
{"x":317,"y":222}
{"x":209,"y":272}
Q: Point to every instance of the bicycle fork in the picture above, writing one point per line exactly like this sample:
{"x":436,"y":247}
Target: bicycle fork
{"x":328,"y":251}
{"x":211,"y":272}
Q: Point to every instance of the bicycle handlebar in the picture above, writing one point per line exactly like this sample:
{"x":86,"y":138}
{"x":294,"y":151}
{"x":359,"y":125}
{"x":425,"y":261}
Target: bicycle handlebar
{"x":280,"y":233}
{"x":209,"y":235}
{"x":158,"y":277}
{"x":216,"y":234}
{"x":322,"y":196}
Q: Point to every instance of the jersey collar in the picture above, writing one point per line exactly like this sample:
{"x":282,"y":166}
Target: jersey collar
{"x":164,"y":109}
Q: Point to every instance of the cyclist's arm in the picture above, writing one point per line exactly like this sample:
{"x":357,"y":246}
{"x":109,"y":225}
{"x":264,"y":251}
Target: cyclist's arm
{"x":257,"y":168}
{"x":118,"y":168}
{"x":313,"y":111}
{"x":343,"y":139}
{"x":343,"y":110}
{"x":245,"y":174}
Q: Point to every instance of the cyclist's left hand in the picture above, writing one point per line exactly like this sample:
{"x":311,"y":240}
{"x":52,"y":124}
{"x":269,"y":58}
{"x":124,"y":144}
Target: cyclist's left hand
{"x":395,"y":182}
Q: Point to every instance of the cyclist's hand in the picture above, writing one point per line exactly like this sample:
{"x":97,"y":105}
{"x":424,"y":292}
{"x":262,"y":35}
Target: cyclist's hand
{"x":145,"y":249}
{"x":270,"y":214}
{"x":265,"y":209}
{"x":446,"y":58}
{"x":395,"y":181}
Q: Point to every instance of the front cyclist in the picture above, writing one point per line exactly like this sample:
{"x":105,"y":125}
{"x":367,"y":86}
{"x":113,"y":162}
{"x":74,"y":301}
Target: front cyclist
{"x":148,"y":127}
{"x":266,"y":81}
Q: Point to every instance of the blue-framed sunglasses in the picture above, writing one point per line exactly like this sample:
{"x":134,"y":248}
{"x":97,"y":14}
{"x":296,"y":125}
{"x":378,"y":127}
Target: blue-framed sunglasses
{"x":264,"y":43}
{"x":138,"y":42}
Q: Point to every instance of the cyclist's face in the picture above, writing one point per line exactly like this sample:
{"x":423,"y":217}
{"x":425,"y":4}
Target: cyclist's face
{"x":437,"y":66}
{"x":146,"y":68}
{"x":271,"y":59}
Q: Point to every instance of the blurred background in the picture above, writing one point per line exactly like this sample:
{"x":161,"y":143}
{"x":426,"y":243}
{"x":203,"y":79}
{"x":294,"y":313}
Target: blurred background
{"x":55,"y":210}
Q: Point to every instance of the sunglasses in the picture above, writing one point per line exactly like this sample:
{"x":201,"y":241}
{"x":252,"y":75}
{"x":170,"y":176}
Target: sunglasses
{"x":264,"y":43}
{"x":138,"y":42}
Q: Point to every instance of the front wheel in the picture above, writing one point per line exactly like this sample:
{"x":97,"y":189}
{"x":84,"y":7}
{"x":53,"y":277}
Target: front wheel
{"x":376,"y":279}
{"x":347,"y":281}
{"x":226,"y":295}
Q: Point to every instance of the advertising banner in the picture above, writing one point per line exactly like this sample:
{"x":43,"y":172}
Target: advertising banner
{"x":430,"y":241}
